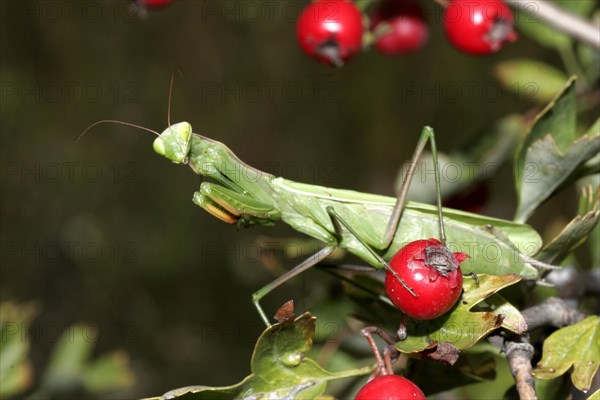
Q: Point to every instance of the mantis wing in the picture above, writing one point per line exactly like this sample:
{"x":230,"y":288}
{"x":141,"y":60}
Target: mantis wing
{"x":495,"y":246}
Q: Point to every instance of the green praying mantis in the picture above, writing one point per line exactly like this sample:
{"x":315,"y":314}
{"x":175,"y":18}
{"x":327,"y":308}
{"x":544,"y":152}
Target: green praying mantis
{"x":370,"y":226}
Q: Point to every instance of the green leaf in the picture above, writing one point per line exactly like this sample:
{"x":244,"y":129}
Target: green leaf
{"x":530,"y":79}
{"x":70,"y":367}
{"x":553,"y":388}
{"x":16,"y":372}
{"x":471,"y":367}
{"x":462,"y":327}
{"x":109,"y":372}
{"x":558,"y":119}
{"x":279,"y":368}
{"x":595,"y":395}
{"x":579,"y":7}
{"x":68,"y":358}
{"x":577,"y":231}
{"x":551,"y":153}
{"x":528,"y":22}
{"x":573,"y":346}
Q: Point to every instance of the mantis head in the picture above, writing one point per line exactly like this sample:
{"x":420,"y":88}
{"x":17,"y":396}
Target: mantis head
{"x":174,"y":142}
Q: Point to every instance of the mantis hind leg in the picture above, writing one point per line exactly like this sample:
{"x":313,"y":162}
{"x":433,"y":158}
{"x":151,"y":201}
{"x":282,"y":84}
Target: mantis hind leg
{"x":426,"y":135}
{"x":338,"y":222}
{"x":303,"y":266}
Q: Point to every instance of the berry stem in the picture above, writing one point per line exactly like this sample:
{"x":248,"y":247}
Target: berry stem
{"x":390,"y":354}
{"x":367,"y":334}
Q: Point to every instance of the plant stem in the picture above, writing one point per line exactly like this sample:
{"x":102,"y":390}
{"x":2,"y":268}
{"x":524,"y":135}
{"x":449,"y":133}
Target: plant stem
{"x":553,"y":312}
{"x":560,"y":19}
{"x":519,"y":354}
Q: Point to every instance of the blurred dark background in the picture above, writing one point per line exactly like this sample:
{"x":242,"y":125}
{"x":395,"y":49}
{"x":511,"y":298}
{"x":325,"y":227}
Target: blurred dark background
{"x":104,"y":232}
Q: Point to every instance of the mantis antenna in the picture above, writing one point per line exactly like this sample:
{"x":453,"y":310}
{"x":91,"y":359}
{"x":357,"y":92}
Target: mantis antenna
{"x":114,"y":121}
{"x":170,"y":95}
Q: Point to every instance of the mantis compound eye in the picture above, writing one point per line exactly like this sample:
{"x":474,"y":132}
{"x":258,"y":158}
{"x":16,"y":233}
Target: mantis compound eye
{"x":159,"y":146}
{"x":175,"y":142}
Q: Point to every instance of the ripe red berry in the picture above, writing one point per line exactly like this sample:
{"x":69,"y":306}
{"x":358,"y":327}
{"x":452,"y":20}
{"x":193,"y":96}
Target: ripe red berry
{"x":479,"y":27}
{"x":432,"y":271}
{"x":390,"y":387}
{"x":143,"y":5}
{"x":330,"y":31}
{"x":156,"y":3}
{"x":405,"y":24}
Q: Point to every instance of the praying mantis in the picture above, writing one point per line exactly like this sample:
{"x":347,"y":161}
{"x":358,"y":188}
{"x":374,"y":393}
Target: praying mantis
{"x":370,"y":226}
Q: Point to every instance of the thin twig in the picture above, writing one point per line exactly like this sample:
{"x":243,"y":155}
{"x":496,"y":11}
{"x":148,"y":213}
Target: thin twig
{"x":552,"y":312}
{"x":560,"y":19}
{"x":519,"y":354}
{"x":367,"y":334}
{"x":390,"y":354}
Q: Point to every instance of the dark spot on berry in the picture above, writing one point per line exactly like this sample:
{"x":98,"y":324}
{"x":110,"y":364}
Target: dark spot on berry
{"x":331,"y":50}
{"x":440,"y":258}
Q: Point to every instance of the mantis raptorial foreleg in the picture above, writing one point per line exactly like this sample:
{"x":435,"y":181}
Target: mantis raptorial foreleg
{"x":339,"y":224}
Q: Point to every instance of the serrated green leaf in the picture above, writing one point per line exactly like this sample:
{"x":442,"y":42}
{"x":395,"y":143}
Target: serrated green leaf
{"x":462,"y":327}
{"x":574,"y":346}
{"x":558,"y":118}
{"x":551,"y":169}
{"x":279,"y":368}
{"x":551,"y":153}
{"x":530,"y":79}
{"x":576,"y":232}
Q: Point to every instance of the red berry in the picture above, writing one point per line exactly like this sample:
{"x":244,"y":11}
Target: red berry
{"x":479,"y":26}
{"x":156,"y":3}
{"x":152,"y":3}
{"x":406,"y":27}
{"x":432,"y":272}
{"x":390,"y":387}
{"x":330,"y":31}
